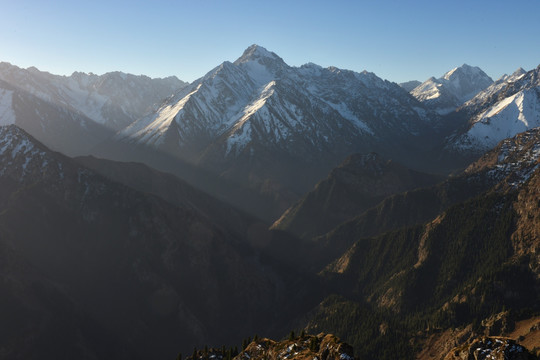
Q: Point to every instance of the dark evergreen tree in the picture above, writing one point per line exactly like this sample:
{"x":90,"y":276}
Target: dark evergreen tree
{"x":291,"y":335}
{"x":313,"y":344}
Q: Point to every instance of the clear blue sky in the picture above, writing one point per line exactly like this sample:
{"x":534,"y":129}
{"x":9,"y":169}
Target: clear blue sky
{"x":397,"y":40}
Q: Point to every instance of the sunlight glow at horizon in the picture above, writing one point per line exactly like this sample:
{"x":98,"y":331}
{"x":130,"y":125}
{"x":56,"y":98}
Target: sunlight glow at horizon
{"x":397,"y":40}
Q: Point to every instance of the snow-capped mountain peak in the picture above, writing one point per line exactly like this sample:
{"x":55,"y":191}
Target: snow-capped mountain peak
{"x":453,"y":89}
{"x":370,"y":79}
{"x":261,"y":65}
{"x":463,"y":70}
{"x":507,"y":107}
{"x":520,"y":71}
{"x":516,"y":75}
{"x":257,"y":53}
{"x":466,"y":81}
{"x":258,"y":106}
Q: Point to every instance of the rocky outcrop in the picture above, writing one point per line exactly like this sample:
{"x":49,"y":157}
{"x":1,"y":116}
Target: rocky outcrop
{"x":490,"y":348}
{"x":501,"y":323}
{"x":320,"y":347}
{"x":313,"y":347}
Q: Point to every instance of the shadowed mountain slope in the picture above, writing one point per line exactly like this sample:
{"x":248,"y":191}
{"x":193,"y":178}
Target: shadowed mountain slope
{"x":144,"y":274}
{"x":358,"y":184}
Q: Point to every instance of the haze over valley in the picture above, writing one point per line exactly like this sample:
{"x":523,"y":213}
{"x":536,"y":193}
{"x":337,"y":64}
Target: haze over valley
{"x":269,"y":208}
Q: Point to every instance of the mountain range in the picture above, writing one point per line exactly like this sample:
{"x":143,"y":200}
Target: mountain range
{"x":113,"y":99}
{"x":507,"y":107}
{"x":278,"y":129}
{"x":73,"y":114}
{"x":264,"y":198}
{"x":255,"y":125}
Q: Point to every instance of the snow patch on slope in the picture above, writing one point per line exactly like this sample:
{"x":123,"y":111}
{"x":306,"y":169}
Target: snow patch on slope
{"x":150,"y":130}
{"x":508,"y":117}
{"x":240,"y":134}
{"x":345,"y":112}
{"x":258,"y":72}
{"x":18,"y":153}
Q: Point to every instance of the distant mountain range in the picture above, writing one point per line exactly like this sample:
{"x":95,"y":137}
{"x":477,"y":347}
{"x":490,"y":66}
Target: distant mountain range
{"x":73,"y":114}
{"x":113,"y":99}
{"x":278,"y":129}
{"x":264,"y":198}
{"x":258,"y":124}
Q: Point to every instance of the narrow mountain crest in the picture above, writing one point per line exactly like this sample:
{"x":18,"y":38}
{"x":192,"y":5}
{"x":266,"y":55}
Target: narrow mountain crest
{"x":256,"y":52}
